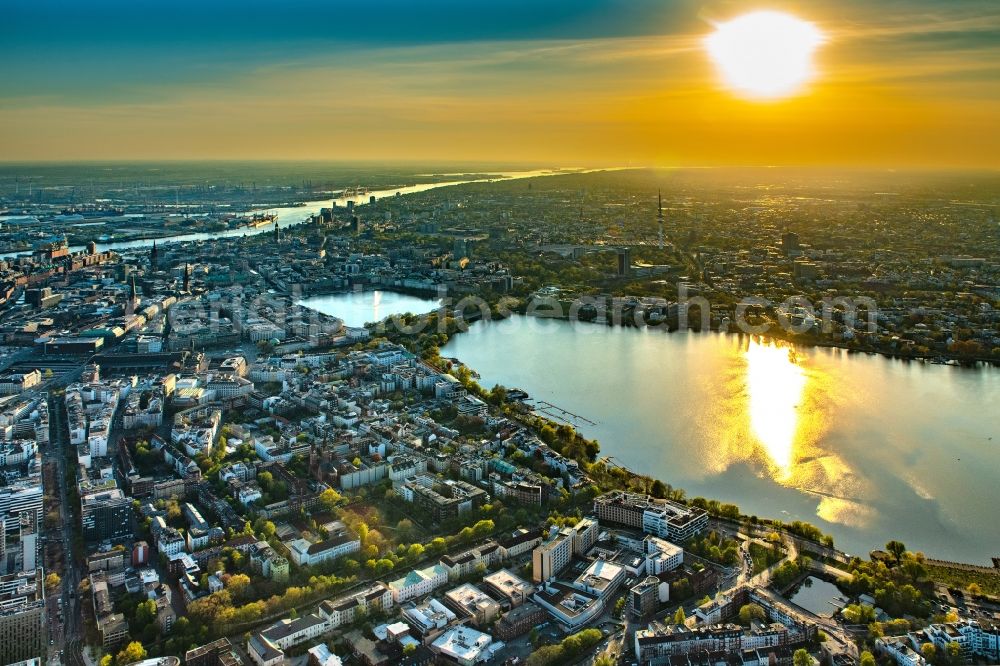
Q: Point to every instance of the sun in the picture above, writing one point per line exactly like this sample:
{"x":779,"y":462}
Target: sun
{"x":764,"y":54}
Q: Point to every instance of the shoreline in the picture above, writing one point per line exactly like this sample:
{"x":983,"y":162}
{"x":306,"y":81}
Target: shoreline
{"x":945,"y":359}
{"x":974,"y":560}
{"x":951,"y":359}
{"x":384,"y":327}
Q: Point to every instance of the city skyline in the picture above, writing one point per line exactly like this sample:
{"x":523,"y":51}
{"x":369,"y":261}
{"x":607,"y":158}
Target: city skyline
{"x":905,"y":84}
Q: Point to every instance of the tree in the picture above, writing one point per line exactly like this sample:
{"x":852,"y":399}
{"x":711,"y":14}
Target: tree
{"x":409,"y":648}
{"x":237,"y":584}
{"x":173,"y":510}
{"x":619,"y":605}
{"x":679,"y":616}
{"x":928,"y":651}
{"x":896,"y":549}
{"x":859,"y":613}
{"x":954,"y":650}
{"x":52,"y":581}
{"x":974,"y":589}
{"x":145,"y":612}
{"x":132,"y":652}
{"x":329,"y":499}
{"x":867,"y":659}
{"x":731,"y":511}
{"x":750,"y":613}
{"x":802,"y":658}
{"x":268,"y":529}
{"x":483,"y":528}
{"x":107,"y":660}
{"x":498,"y":395}
{"x":437,"y":545}
{"x":404,"y":529}
{"x":547,"y":654}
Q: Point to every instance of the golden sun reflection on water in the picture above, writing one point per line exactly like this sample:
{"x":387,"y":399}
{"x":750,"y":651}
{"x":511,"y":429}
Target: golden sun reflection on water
{"x":775,"y":386}
{"x":785,"y":416}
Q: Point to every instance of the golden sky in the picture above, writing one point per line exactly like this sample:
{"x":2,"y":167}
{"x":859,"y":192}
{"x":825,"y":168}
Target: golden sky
{"x":898,"y":84}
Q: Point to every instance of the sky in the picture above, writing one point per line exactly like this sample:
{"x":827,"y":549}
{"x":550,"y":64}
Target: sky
{"x":899,"y":83}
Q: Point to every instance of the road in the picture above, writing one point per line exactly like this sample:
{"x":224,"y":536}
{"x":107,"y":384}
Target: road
{"x":69,"y":641}
{"x":794,"y":545}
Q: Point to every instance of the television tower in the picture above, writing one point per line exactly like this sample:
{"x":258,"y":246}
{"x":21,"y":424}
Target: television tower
{"x":659,"y":215}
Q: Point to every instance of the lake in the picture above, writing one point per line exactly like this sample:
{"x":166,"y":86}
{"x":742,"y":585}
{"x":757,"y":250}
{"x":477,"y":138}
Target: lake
{"x":357,"y":308}
{"x":865,"y":447}
{"x":817,"y":596}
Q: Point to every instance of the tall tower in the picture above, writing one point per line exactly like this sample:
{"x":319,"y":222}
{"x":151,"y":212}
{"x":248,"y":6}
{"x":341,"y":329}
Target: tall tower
{"x":187,"y":278}
{"x":659,"y":215}
{"x":154,"y":256}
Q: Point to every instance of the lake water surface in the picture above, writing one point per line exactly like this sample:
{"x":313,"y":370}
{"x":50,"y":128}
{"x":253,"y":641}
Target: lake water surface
{"x":818,"y":596}
{"x":358,"y":308}
{"x":865,"y":447}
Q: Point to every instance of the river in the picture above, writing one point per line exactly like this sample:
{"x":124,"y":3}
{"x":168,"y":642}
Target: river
{"x":293,"y":215}
{"x":865,"y":447}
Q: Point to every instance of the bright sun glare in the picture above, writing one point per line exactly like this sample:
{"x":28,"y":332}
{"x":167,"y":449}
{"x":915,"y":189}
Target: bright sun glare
{"x":764,"y":54}
{"x":775,"y":383}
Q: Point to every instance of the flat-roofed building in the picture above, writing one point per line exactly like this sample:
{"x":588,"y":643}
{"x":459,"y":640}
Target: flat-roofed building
{"x":661,"y":555}
{"x":663,"y":518}
{"x":216,"y":653}
{"x":429,"y":617}
{"x":22,"y":616}
{"x":444,"y":500}
{"x":519,"y":621}
{"x":568,"y":605}
{"x":465,"y":646}
{"x":585,"y":535}
{"x":601,"y":579}
{"x":508,"y":587}
{"x":645,"y":596}
{"x":472,"y":603}
{"x":554,"y":555}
